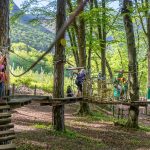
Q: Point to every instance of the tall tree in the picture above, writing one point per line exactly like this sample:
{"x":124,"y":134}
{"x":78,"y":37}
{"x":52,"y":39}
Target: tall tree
{"x":84,"y":107}
{"x":90,"y":42}
{"x":58,"y":111}
{"x":4,"y":32}
{"x":133,"y":72}
{"x":148,"y":39}
{"x":101,"y":26}
{"x":79,"y":28}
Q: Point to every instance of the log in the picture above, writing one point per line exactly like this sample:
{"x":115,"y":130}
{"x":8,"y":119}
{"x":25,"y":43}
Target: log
{"x":8,"y":147}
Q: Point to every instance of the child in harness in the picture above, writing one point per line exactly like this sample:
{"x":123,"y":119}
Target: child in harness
{"x":79,"y":81}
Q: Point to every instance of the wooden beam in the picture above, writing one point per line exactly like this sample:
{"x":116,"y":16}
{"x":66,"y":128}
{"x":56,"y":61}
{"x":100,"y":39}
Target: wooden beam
{"x":8,"y":147}
{"x":62,"y":101}
{"x":75,"y":68}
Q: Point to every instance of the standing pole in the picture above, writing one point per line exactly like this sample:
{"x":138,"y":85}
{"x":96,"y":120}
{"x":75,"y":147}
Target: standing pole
{"x":59,"y":58}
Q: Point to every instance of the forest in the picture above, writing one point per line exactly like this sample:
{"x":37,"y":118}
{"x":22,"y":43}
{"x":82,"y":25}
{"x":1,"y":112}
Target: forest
{"x":74,"y":74}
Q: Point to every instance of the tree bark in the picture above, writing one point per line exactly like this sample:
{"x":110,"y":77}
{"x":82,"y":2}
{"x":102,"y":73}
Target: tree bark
{"x":101,"y":25}
{"x":58,"y":111}
{"x":74,"y":45}
{"x":133,"y":67}
{"x":103,"y":42}
{"x":84,"y":107}
{"x":90,"y":43}
{"x":108,"y":67}
{"x":4,"y":35}
{"x":147,"y":13}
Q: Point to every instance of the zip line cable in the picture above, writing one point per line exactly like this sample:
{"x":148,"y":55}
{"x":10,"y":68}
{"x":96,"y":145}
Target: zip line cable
{"x":58,"y":36}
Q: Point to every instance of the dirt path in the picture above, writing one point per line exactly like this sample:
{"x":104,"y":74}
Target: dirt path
{"x":83,"y":133}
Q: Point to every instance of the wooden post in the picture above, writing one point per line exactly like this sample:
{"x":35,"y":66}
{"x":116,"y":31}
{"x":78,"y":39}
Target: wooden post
{"x":59,"y":58}
{"x":146,"y":109}
{"x":113,"y":110}
{"x":13,"y":89}
{"x":122,"y":110}
{"x":118,"y":112}
{"x":35,"y":90}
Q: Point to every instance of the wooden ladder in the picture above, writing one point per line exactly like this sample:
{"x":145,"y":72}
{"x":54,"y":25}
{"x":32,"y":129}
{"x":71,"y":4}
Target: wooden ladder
{"x":7,"y":134}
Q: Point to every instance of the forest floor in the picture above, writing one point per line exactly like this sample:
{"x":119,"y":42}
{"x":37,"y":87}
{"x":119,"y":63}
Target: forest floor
{"x":95,"y":132}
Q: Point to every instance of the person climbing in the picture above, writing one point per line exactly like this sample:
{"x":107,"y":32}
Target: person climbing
{"x":79,"y":81}
{"x":118,"y":85}
{"x":125,"y":88}
{"x":3,"y":75}
{"x":2,"y":85}
{"x":69,"y":91}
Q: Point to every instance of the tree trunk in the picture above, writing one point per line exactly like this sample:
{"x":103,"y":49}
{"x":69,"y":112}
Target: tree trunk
{"x":108,"y":67}
{"x":148,"y":54}
{"x":84,"y":107}
{"x":133,"y":71}
{"x":147,"y":13}
{"x":103,"y":42}
{"x":90,"y":43}
{"x":58,"y":111}
{"x":4,"y":35}
{"x":74,"y":45}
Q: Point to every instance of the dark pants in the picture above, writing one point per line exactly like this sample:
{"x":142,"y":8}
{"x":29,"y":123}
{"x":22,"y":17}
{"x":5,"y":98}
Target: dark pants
{"x":1,"y":89}
{"x":79,"y":85}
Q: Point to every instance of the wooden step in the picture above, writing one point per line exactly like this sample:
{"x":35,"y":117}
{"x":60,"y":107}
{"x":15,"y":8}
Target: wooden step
{"x":5,"y":121}
{"x":7,"y":132}
{"x":8,"y":147}
{"x":7,"y":138}
{"x":7,"y":126}
{"x":5,"y":115}
{"x":4,"y":108}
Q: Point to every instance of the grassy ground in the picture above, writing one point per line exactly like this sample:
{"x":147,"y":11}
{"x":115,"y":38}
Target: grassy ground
{"x":95,"y":132}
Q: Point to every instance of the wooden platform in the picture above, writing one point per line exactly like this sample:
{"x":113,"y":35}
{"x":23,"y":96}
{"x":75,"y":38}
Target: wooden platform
{"x":8,"y":147}
{"x":21,"y":100}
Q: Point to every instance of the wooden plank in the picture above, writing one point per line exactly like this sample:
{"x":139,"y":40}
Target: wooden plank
{"x":75,"y":68}
{"x":4,"y":108}
{"x":5,"y":115}
{"x":27,"y":96}
{"x":7,"y":126}
{"x":7,"y":132}
{"x":62,"y":101}
{"x":7,"y":138}
{"x":8,"y":147}
{"x":3,"y":102}
{"x":5,"y":121}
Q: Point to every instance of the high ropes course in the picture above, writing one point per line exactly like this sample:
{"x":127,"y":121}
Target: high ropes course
{"x":95,"y":90}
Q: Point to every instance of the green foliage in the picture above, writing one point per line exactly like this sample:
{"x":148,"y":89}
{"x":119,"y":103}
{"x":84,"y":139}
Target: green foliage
{"x":41,"y":80}
{"x":144,"y":128}
{"x":30,"y":35}
{"x":28,"y":146}
{"x":24,"y":56}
